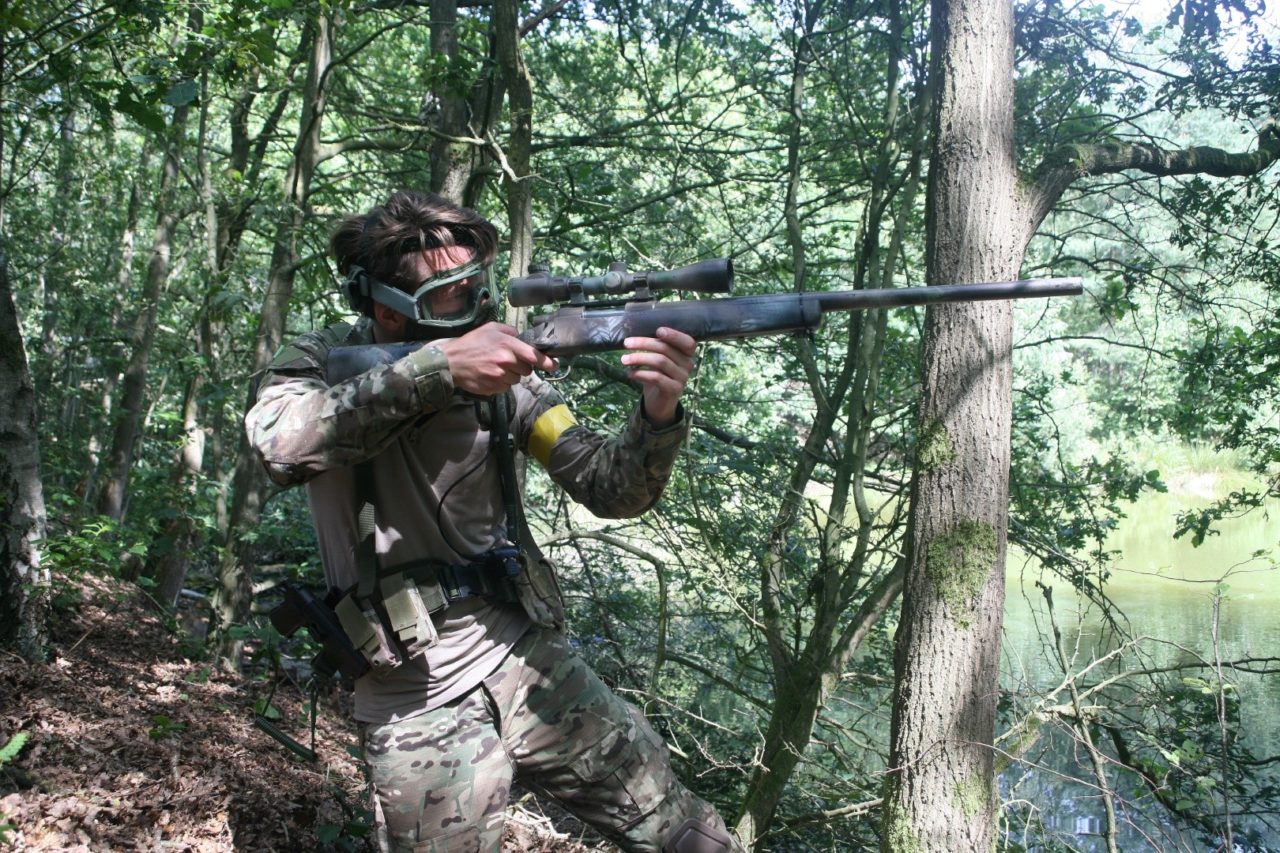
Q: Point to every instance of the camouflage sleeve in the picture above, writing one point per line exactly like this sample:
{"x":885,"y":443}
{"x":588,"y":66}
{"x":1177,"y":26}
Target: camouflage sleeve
{"x":300,"y":426}
{"x":616,"y":477}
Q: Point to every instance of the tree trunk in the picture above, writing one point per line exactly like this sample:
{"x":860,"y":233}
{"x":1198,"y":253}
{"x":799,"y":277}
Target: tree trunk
{"x":800,"y":695}
{"x":65,"y":223}
{"x":506,"y":29}
{"x":24,"y":585}
{"x":233,"y":594}
{"x":456,"y":164}
{"x":451,"y":162}
{"x":941,"y":789}
{"x":169,"y":554}
{"x":805,"y":677}
{"x":112,"y":494}
{"x":121,"y":271}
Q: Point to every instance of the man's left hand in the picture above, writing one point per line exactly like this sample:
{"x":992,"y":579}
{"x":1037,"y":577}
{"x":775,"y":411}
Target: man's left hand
{"x":662,"y":366}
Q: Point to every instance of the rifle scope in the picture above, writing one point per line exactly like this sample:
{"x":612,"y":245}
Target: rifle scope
{"x":542,"y":288}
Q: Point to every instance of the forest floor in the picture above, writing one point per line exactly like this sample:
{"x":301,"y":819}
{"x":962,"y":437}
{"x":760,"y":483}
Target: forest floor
{"x":128,"y":743}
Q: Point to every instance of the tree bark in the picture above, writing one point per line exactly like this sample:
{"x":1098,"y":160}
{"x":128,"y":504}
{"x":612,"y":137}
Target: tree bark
{"x":120,"y":458}
{"x":24,"y":584}
{"x":458,"y":161}
{"x":506,"y":30}
{"x":234,"y":593}
{"x":119,"y":461}
{"x":941,"y":787}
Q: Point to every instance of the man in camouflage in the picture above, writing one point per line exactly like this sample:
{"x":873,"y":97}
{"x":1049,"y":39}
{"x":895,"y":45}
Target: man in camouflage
{"x":472,"y":682}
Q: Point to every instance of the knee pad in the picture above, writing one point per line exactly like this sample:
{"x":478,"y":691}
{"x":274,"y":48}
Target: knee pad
{"x":695,"y":836}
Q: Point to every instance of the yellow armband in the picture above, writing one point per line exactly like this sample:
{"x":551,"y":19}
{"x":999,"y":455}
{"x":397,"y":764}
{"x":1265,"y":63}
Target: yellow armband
{"x":547,"y":430}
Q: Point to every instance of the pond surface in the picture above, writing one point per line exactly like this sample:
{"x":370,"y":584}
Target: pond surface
{"x":1165,"y":589}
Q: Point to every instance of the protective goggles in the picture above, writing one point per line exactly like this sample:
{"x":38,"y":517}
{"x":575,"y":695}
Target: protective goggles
{"x":446,"y":300}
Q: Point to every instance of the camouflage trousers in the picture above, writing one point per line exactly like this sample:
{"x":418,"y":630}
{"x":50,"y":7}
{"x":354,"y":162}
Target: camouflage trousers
{"x":441,"y":780}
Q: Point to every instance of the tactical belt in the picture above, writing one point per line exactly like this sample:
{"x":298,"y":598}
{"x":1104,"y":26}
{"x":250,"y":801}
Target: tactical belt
{"x":394,"y":622}
{"x":387,"y":615}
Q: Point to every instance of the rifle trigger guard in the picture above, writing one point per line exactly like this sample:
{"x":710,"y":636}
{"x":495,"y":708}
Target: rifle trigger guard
{"x":566,"y":367}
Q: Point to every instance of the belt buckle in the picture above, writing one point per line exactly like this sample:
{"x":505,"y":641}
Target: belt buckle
{"x":452,"y":584}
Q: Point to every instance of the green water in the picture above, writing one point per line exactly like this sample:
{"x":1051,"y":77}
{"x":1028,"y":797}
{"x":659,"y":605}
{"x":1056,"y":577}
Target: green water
{"x":1165,"y":589}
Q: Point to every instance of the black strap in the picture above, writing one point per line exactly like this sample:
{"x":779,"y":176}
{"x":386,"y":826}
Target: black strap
{"x":504,"y":447}
{"x":491,"y":575}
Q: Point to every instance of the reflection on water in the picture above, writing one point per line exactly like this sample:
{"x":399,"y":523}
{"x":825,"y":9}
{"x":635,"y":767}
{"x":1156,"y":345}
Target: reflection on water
{"x":1165,"y":589}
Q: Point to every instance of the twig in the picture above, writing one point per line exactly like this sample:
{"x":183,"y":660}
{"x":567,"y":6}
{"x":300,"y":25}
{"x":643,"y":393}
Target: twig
{"x":1220,"y":702}
{"x":1095,"y":757}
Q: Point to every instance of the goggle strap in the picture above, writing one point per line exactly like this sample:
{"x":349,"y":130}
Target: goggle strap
{"x":395,"y":299}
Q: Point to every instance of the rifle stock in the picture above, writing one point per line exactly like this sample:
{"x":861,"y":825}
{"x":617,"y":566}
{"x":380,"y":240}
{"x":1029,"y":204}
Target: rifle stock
{"x":578,"y":329}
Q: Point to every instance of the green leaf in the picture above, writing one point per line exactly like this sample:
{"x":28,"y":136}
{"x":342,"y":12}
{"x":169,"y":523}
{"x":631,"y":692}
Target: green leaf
{"x":12,"y":747}
{"x":183,"y":92}
{"x":271,"y":712}
{"x":141,"y":114}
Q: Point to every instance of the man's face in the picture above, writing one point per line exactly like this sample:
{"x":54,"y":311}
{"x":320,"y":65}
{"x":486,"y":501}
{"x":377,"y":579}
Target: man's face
{"x":449,"y":300}
{"x":449,"y":296}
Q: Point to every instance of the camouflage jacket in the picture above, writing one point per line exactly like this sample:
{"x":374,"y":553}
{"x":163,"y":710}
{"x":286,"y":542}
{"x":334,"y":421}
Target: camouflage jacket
{"x":438,"y":494}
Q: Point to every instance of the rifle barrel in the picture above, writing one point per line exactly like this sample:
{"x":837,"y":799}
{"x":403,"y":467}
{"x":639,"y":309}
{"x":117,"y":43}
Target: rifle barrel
{"x":897,"y":297}
{"x":576,"y":329}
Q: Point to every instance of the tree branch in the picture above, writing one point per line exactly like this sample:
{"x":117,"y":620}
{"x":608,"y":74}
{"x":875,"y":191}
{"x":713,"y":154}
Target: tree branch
{"x":1062,"y":167}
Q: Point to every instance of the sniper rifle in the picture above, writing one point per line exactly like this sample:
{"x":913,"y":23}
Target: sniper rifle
{"x":600,"y":312}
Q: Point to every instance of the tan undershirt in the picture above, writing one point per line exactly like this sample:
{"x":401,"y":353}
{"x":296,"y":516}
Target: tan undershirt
{"x":441,"y":470}
{"x":474,"y":638}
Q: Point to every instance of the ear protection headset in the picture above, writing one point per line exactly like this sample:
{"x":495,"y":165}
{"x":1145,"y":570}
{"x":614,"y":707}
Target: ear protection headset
{"x":357,"y":289}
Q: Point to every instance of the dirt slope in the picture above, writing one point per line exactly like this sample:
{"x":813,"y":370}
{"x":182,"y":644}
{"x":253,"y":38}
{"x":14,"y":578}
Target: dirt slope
{"x":131,"y":745}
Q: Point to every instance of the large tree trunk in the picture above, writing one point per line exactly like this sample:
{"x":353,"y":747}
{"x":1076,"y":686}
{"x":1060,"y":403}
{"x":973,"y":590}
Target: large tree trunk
{"x":24,"y":584}
{"x":457,"y":156}
{"x":941,"y":788}
{"x":233,"y":594}
{"x":515,"y":77}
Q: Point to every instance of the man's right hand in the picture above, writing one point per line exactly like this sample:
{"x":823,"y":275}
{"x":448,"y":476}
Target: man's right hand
{"x":490,"y":359}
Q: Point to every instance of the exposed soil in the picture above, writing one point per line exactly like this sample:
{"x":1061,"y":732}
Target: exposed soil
{"x":132,"y":745}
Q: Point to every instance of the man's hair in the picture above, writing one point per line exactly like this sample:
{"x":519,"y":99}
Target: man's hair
{"x":384,"y":240}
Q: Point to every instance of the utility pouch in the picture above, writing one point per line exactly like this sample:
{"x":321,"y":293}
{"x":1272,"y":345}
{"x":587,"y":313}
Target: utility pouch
{"x":363,"y":627}
{"x":407,"y":612}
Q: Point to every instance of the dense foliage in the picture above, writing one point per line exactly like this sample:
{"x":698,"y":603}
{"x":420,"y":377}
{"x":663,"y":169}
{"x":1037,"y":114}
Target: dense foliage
{"x":171,"y":171}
